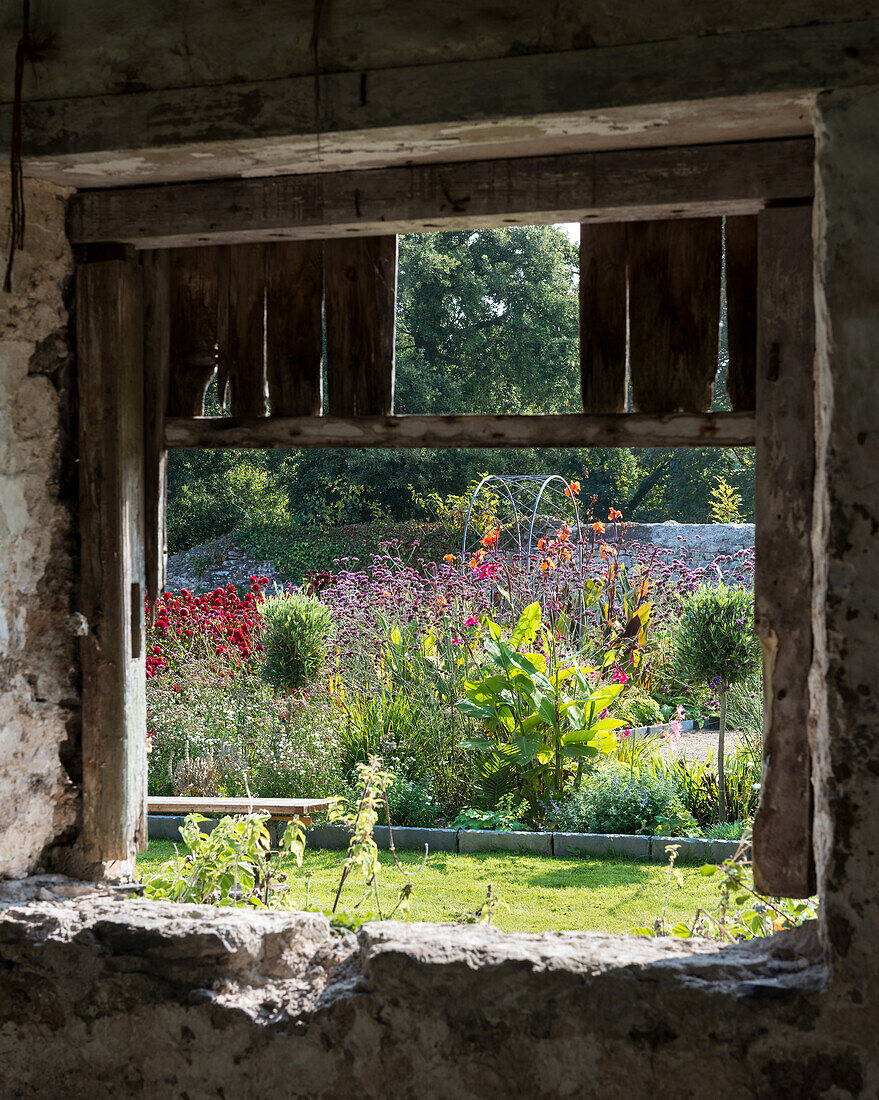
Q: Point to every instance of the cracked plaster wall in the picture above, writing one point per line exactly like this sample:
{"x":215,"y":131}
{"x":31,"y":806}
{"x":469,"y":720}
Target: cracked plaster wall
{"x":39,"y":695}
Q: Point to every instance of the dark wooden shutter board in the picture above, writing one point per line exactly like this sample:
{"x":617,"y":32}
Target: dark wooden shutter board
{"x":360,"y":279}
{"x":195,"y":298}
{"x":294,"y":327}
{"x":244,"y":346}
{"x":109,"y":305}
{"x":674,"y":313}
{"x":741,"y":311}
{"x":603,"y":257}
{"x":785,"y":463}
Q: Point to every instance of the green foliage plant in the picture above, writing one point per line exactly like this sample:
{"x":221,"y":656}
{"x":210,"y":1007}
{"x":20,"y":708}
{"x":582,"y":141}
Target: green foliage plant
{"x":544,"y":712}
{"x":726,"y":503}
{"x":741,"y":912}
{"x":233,"y":865}
{"x":616,"y":799}
{"x":715,"y":645}
{"x":362,"y":856}
{"x":638,"y":709}
{"x":295,"y":634}
{"x":509,"y":816}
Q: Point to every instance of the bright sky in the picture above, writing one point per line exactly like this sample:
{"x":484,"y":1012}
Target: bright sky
{"x":572,"y":229}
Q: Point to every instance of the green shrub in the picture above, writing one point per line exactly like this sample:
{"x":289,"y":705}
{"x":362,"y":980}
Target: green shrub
{"x":715,"y":637}
{"x":715,"y":645}
{"x":412,"y":804}
{"x":638,"y":709}
{"x":616,"y":799}
{"x":295,"y":634}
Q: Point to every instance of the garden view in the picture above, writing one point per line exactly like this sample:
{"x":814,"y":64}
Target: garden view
{"x":430,"y":678}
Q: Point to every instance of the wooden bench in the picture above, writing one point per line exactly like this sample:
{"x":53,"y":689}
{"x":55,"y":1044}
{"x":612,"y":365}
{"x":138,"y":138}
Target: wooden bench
{"x":279,"y":809}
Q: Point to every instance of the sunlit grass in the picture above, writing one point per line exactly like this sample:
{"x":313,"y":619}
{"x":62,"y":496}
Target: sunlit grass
{"x":542,"y":893}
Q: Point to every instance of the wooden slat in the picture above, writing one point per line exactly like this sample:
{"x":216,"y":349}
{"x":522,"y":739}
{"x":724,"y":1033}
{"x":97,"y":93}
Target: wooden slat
{"x":567,"y":430}
{"x":156,"y":344}
{"x":637,"y":184}
{"x":360,"y":279}
{"x":294,"y":327}
{"x":111,"y":463}
{"x":674,"y":313}
{"x":741,"y":311}
{"x":603,"y":250}
{"x":244,"y":348}
{"x":195,"y":300}
{"x":785,"y":462}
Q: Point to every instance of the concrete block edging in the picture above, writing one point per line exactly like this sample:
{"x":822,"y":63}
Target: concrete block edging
{"x":651,"y":849}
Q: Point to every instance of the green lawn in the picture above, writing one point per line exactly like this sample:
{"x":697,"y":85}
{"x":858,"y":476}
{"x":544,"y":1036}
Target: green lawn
{"x":543,"y":893}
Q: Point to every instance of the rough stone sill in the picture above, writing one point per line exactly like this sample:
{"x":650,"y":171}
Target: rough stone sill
{"x":286,"y":971}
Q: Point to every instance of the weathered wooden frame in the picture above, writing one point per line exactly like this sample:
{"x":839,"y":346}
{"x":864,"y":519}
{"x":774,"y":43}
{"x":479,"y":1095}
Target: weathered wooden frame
{"x":774,"y":332}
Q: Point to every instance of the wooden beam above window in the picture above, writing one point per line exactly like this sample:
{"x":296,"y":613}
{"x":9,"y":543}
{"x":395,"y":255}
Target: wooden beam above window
{"x":558,"y":430}
{"x":633,"y":185}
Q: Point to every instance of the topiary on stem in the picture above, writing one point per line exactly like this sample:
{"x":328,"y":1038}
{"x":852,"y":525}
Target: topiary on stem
{"x":295,"y":634}
{"x":715,"y":645}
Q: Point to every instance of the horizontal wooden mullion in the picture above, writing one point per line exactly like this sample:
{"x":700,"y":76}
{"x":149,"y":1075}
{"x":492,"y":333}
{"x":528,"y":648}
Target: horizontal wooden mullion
{"x":560,"y":430}
{"x":629,"y":185}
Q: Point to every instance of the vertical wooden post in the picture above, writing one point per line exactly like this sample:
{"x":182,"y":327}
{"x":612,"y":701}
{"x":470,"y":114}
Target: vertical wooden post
{"x":674,"y":313}
{"x":360,"y":276}
{"x":785,"y":463}
{"x":156,"y":370}
{"x":741,"y":311}
{"x":603,"y":250}
{"x":111,"y":463}
{"x":294,"y":327}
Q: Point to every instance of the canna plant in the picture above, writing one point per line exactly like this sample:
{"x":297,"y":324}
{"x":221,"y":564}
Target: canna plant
{"x":538,"y":712}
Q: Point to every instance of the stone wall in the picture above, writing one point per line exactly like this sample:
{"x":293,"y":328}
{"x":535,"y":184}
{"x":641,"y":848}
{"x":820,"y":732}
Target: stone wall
{"x":698,"y":544}
{"x":39,"y":669}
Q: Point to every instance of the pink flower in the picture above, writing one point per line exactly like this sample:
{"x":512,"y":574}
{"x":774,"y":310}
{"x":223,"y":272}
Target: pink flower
{"x":619,"y":677}
{"x":472,"y":621}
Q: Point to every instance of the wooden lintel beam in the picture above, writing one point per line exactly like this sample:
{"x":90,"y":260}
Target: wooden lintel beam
{"x":630,"y":185}
{"x":558,"y":430}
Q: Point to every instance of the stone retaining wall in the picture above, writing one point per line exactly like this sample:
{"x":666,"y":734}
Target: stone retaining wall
{"x":221,"y":562}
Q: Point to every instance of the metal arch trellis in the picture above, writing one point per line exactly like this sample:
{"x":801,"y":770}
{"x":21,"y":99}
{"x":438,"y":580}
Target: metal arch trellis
{"x":522,"y":508}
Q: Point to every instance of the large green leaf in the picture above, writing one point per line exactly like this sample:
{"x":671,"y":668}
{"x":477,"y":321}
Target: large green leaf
{"x":481,"y":713}
{"x":482,"y":744}
{"x":528,"y":625}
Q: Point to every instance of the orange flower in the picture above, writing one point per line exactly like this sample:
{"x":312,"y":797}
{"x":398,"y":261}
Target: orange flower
{"x":491,"y":538}
{"x":608,"y":551}
{"x":563,"y":533}
{"x":477,"y":559}
{"x":565,"y":555}
{"x":572,"y":490}
{"x":440,"y":601}
{"x":541,"y":544}
{"x":449,"y":557}
{"x":599,"y":527}
{"x":545,"y":566}
{"x":614,"y":515}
